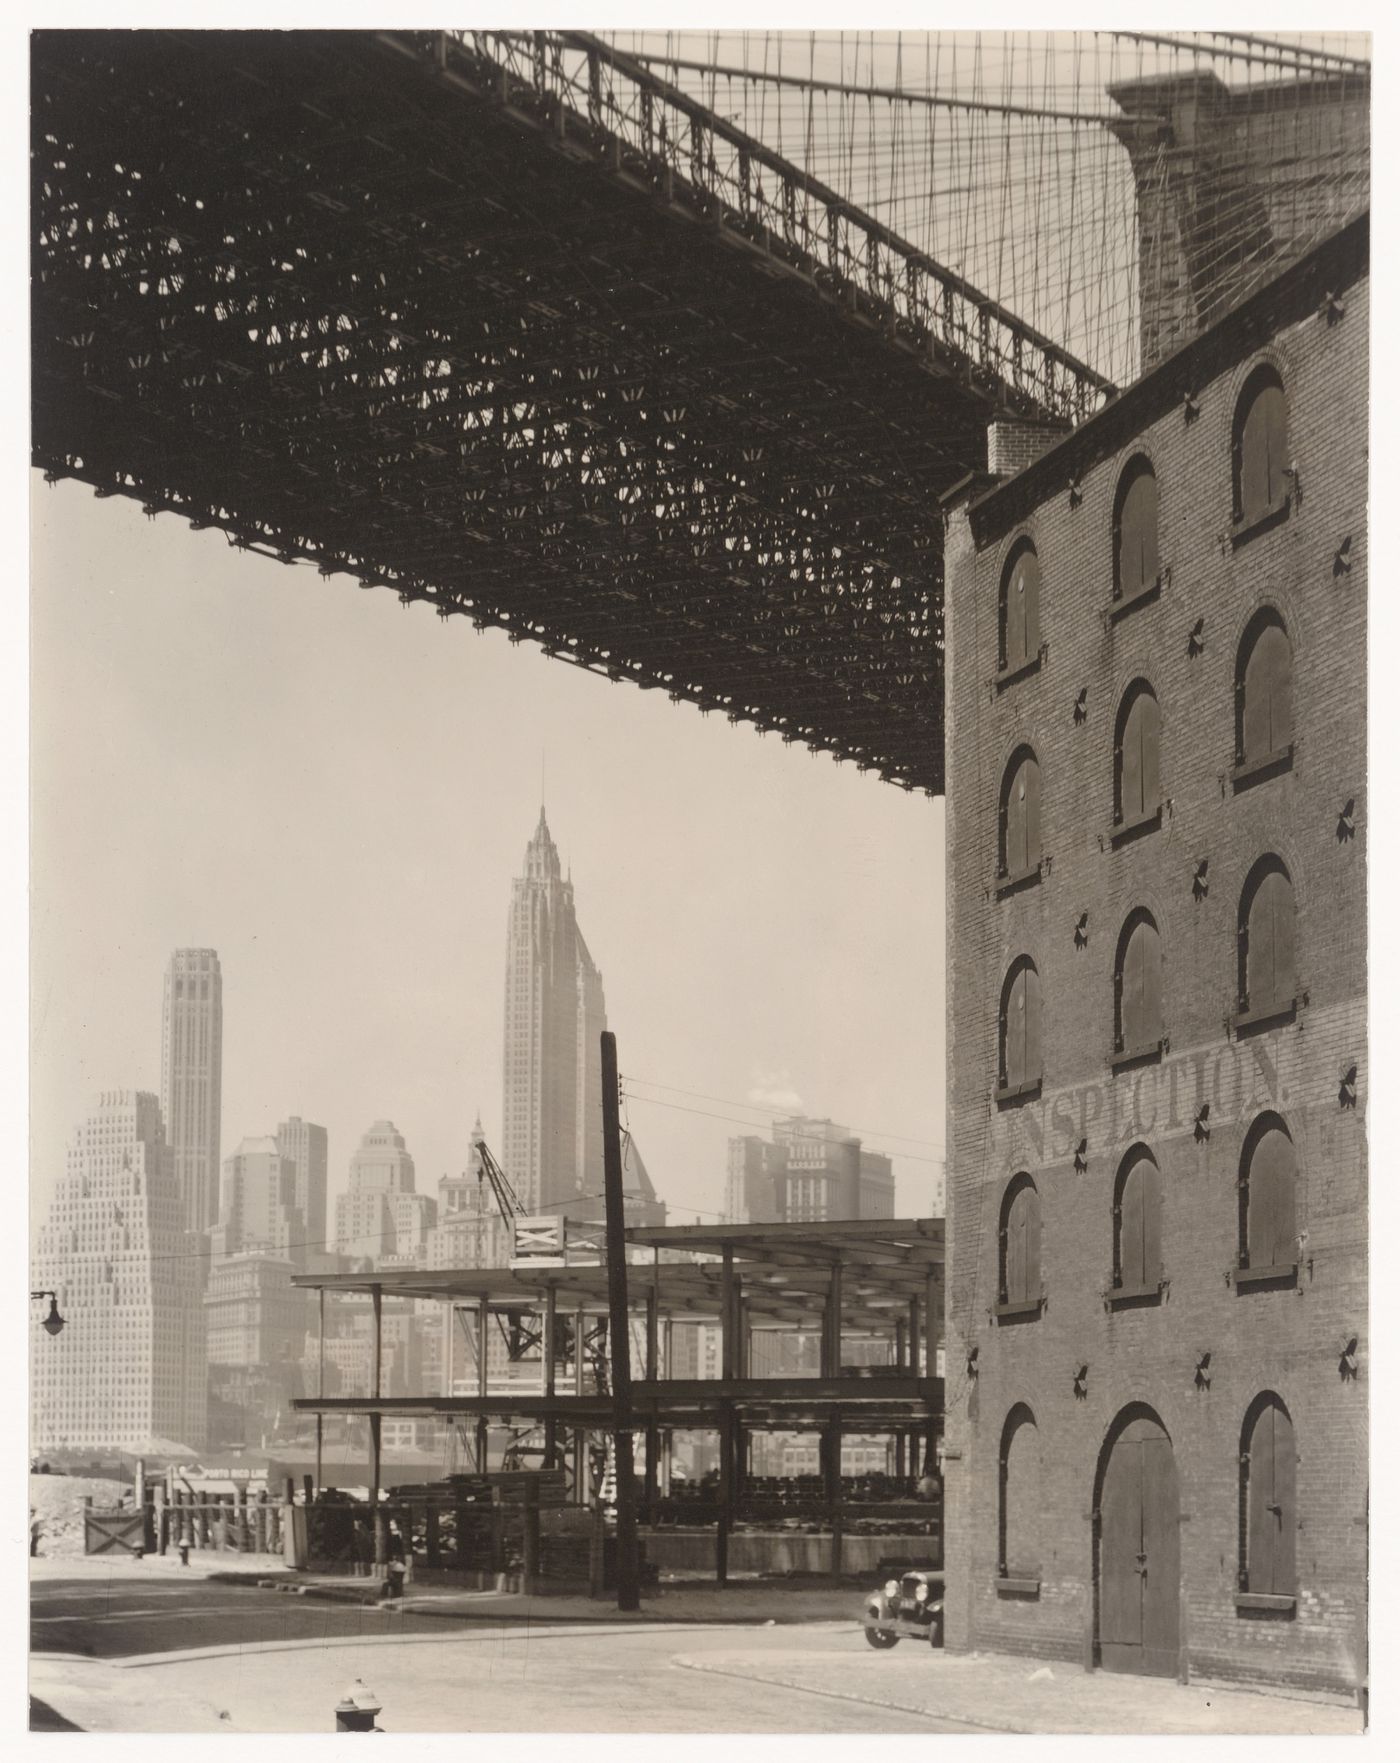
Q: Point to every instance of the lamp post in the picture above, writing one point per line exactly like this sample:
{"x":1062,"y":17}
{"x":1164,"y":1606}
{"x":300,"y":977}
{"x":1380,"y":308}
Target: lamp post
{"x":53,"y":1322}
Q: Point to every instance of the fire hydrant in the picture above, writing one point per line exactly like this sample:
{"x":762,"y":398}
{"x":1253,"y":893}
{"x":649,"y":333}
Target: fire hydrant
{"x":356,"y":1709}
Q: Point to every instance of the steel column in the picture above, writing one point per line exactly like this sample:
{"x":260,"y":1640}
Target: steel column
{"x":483,"y":1429}
{"x":551,"y":1301}
{"x":628,"y":1566}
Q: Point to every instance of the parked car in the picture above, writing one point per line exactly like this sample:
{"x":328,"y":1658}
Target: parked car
{"x":908,"y":1606}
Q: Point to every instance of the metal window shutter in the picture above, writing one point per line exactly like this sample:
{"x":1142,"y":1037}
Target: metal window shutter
{"x":1280,"y":893}
{"x":1257,"y":731}
{"x":1271,"y":1210}
{"x":1031,"y":774}
{"x":1032,"y":1199}
{"x":1016,"y":1033}
{"x":1147,"y":485}
{"x":1032,"y":1021}
{"x":1263,"y":1526}
{"x":1016,"y":823}
{"x":1130,"y":1009}
{"x":1151,"y":945}
{"x":1031,"y":567}
{"x":1279,"y":655}
{"x":1254,"y":460}
{"x":1130,"y":1227}
{"x":1259,"y":949}
{"x":1023,"y":1496}
{"x":1149,"y":735}
{"x":1276,"y":441}
{"x":1016,"y":1249}
{"x":1285,"y":1563}
{"x":1137,"y":542}
{"x":1014,"y":616}
{"x":1268,"y":694}
{"x":1130,"y":766}
{"x":1151,"y":1221}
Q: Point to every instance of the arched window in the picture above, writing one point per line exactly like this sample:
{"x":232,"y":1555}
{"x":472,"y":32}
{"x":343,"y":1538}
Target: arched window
{"x":1137,"y":788}
{"x":1019,"y":1245}
{"x":1020,"y":608}
{"x":1135,"y":566}
{"x":1260,"y":447}
{"x":1268,"y":1503}
{"x":1137,"y":986}
{"x":1019,"y":839}
{"x":1137,"y":1223}
{"x":1264,"y":691}
{"x":1019,"y":1056}
{"x":1268,"y":980}
{"x":1021,"y":1500}
{"x":1268,"y":1201}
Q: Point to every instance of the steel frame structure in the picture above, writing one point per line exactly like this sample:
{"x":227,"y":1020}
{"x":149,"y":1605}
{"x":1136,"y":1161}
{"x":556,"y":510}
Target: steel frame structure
{"x":513,"y":328}
{"x":876,"y":1277}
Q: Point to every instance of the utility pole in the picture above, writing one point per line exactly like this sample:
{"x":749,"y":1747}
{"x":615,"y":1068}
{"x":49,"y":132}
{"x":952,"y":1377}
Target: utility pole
{"x":628,"y":1574}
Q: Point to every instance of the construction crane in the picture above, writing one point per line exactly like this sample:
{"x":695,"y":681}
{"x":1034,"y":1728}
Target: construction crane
{"x":521,"y":1338}
{"x":508,"y":1202}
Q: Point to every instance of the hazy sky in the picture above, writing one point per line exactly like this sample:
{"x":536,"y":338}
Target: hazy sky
{"x":334,"y":792}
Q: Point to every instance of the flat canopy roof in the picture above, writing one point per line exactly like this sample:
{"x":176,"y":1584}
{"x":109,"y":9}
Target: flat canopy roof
{"x":784,"y":1272}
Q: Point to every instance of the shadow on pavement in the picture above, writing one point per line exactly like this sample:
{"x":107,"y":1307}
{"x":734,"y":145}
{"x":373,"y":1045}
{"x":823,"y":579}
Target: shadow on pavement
{"x":42,"y":1718}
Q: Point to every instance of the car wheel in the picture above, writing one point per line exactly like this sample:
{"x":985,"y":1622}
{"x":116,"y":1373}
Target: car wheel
{"x":935,"y":1632}
{"x":881,"y":1637}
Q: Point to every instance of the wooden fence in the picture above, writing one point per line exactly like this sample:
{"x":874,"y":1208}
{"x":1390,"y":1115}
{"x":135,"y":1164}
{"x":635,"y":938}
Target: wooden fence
{"x":184,"y":1518}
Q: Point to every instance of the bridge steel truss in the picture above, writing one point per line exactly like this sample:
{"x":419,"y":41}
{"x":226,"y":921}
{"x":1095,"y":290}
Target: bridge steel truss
{"x":508,"y":325}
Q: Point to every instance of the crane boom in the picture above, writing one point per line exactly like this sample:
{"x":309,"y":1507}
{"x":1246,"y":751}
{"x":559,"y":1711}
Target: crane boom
{"x":507,"y":1200}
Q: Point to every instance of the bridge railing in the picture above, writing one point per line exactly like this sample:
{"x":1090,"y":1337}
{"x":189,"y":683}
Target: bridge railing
{"x":580,"y":85}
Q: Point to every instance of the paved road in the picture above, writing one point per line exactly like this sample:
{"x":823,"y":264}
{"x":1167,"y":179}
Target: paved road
{"x":288,"y":1659}
{"x":114,"y":1618}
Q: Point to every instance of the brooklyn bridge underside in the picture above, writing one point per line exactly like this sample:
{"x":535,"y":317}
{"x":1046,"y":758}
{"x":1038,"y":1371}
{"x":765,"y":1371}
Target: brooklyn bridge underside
{"x":366,"y":301}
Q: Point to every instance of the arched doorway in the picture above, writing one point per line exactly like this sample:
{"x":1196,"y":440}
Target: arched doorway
{"x":1139,"y":1567}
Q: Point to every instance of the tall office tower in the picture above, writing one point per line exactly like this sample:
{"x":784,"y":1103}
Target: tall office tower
{"x":552,"y":1144}
{"x":306,"y":1146}
{"x":191,"y":1064}
{"x":128,"y":1370}
{"x":258,"y":1212}
{"x":382,"y":1218}
{"x":811,"y":1171}
{"x":256,"y":1328}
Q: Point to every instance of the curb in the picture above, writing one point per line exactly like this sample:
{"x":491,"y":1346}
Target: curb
{"x":480,"y":1612}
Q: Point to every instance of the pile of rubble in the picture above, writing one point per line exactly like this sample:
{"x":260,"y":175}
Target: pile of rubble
{"x":56,"y":1506}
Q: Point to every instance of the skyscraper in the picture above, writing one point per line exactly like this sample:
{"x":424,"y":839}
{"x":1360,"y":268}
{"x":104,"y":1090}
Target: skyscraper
{"x":306,"y":1146}
{"x":192,"y":1026}
{"x":128,"y":1370}
{"x":811,"y":1171}
{"x":552,"y":1142}
{"x":382,"y":1218}
{"x":258,"y":1209}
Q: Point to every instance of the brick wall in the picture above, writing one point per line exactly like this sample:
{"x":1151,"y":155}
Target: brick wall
{"x":1012,"y":445}
{"x":1285,"y":1340}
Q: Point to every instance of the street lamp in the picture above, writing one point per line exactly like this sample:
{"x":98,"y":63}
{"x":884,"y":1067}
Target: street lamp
{"x":53,"y":1322}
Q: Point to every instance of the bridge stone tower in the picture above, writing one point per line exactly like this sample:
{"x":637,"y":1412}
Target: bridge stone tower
{"x":1232,"y":185}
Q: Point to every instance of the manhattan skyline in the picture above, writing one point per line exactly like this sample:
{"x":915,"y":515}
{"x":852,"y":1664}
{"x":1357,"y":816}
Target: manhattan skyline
{"x":332,"y":791}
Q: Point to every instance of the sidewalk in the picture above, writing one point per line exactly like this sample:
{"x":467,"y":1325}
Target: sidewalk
{"x":204,"y":1564}
{"x":1007,"y":1694}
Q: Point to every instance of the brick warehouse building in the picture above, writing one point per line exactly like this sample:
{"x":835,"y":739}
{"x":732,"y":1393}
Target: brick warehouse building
{"x":1155,"y":1455}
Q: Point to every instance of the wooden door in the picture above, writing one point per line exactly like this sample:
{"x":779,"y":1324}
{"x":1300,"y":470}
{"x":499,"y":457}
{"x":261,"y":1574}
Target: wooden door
{"x":1139,"y":1554}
